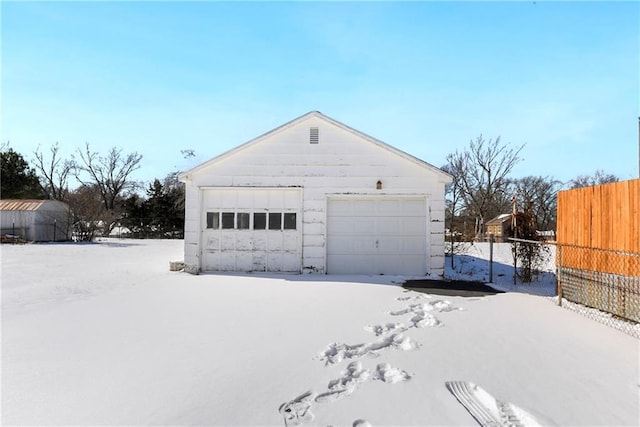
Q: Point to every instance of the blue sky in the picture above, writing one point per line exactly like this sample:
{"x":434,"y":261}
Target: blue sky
{"x":426,"y":77}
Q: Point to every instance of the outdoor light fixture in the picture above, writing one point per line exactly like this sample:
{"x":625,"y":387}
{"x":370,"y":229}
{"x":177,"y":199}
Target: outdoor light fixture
{"x":379,"y":185}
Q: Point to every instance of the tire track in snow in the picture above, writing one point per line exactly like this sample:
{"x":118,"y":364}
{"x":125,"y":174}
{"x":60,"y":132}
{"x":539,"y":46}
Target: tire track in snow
{"x":486,"y":409}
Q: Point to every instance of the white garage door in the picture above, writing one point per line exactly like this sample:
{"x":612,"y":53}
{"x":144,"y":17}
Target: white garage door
{"x":251,"y":229}
{"x":377,"y":236}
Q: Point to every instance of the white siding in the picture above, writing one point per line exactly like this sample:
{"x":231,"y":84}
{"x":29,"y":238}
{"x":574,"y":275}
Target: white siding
{"x":342,"y":163}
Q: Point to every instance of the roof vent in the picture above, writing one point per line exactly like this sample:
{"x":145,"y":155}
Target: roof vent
{"x":314,"y":135}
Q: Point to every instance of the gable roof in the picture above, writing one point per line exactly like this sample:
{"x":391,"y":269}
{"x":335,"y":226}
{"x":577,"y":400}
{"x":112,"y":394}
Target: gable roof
{"x":317,"y":114}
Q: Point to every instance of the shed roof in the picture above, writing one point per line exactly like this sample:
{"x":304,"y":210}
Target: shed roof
{"x":21,"y":205}
{"x":14,"y":205}
{"x":499,"y":219}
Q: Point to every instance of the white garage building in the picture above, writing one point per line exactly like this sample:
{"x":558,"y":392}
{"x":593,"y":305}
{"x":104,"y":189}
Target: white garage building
{"x":316,"y":196}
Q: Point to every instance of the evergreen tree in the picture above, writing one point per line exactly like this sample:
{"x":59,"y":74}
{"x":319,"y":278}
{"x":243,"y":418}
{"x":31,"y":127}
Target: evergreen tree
{"x":136,"y":216}
{"x":161,"y":214}
{"x":18,"y":180}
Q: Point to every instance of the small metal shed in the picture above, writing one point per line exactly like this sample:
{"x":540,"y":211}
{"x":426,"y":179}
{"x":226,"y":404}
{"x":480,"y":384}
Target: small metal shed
{"x":35,"y":220}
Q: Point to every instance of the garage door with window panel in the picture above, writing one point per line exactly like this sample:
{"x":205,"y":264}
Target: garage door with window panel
{"x":251,"y":230}
{"x":383,"y":235}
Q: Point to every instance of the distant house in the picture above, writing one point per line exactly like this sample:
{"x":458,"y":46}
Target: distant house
{"x":500,"y":227}
{"x":35,"y":220}
{"x":317,"y":196}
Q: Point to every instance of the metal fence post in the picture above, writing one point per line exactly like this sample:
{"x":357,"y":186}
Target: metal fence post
{"x":559,"y":275}
{"x":490,"y":258}
{"x":514,"y":251}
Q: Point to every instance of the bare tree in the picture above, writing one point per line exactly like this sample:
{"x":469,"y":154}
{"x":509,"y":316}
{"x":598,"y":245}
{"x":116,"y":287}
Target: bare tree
{"x":538,"y":196}
{"x":87,"y":210}
{"x":598,"y":178}
{"x":453,"y":205}
{"x":54,"y":172}
{"x":532,"y":255}
{"x":111,"y":175}
{"x":483,"y":170}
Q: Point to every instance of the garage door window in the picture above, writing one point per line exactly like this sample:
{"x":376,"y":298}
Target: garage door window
{"x":259,"y":221}
{"x":227,"y":220}
{"x":243,"y":220}
{"x":275,"y":220}
{"x":213,"y":220}
{"x":289,"y":221}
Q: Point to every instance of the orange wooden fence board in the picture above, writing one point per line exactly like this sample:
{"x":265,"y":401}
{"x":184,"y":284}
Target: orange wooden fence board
{"x":601,"y":217}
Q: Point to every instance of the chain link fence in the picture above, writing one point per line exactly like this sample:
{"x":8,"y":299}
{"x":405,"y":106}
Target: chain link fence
{"x":603,"y":285}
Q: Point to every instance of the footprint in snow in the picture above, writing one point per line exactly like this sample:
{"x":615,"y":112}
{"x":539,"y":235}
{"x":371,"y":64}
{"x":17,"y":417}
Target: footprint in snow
{"x":336,"y":352}
{"x":297,"y":411}
{"x":346,"y":384}
{"x":398,"y":341}
{"x":414,"y":297}
{"x":388,"y":374}
{"x":435,"y":305}
{"x":385,"y":329}
{"x":356,"y":375}
{"x":421,"y":316}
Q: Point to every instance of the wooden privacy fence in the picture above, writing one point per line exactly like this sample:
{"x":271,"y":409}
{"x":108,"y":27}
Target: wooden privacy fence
{"x":604,"y":216}
{"x":598,"y":255}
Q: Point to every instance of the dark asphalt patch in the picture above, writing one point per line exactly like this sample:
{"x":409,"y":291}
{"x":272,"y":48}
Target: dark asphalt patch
{"x":452,"y":288}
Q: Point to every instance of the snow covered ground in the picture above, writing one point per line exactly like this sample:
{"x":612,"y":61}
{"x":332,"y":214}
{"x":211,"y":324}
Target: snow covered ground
{"x":104,"y":334}
{"x":471,"y":262}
